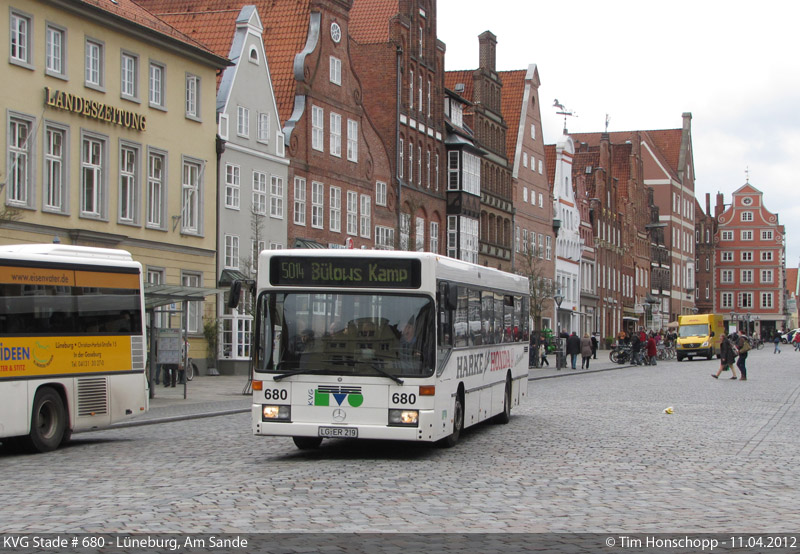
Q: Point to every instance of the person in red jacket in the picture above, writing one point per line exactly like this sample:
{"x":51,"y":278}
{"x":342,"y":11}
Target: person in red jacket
{"x":652,"y":351}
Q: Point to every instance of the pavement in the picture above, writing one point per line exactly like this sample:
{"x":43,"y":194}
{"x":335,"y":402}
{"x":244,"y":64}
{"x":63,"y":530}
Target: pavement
{"x":216,"y":395}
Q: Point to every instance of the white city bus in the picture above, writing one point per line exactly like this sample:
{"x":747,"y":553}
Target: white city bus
{"x":72,"y":342}
{"x":384,"y":345}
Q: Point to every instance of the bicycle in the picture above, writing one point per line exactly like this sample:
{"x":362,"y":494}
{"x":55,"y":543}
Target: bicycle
{"x":191,"y":369}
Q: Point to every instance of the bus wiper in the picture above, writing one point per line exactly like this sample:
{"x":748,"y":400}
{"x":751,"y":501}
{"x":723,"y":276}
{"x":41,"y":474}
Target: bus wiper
{"x":299,"y":372}
{"x":385,"y":373}
{"x":351,"y":362}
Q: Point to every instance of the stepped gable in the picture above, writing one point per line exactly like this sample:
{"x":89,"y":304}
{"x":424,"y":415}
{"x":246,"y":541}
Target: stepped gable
{"x":667,"y":143}
{"x":285,"y":31}
{"x":369,"y":20}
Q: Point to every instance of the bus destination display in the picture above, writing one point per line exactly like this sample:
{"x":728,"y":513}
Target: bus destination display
{"x":345,"y":272}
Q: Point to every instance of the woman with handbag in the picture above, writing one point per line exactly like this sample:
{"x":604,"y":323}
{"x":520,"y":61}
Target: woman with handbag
{"x":726,"y":357}
{"x":743,"y":345}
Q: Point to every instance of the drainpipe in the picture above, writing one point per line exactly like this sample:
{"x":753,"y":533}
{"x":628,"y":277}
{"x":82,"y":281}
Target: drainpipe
{"x":399,"y":80}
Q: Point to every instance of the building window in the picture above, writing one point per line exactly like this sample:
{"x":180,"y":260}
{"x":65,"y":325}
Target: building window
{"x":192,"y":96}
{"x":352,"y":213}
{"x":436,"y":172}
{"x":747,"y":256}
{"x":708,"y":264}
{"x":419,"y":165}
{"x":434,"y":241}
{"x":194,"y":309}
{"x":128,"y":184}
{"x":20,"y":160}
{"x":336,"y":70}
{"x":365,"y":217}
{"x":95,"y":61}
{"x":766,"y":235}
{"x":405,"y":230}
{"x":242,"y":121}
{"x":766,"y":255}
{"x":726,"y":276}
{"x":747,"y":275}
{"x":410,"y":90}
{"x":92,"y":177}
{"x":191,"y":201}
{"x":55,"y":177}
{"x":727,"y":235}
{"x":453,"y":170}
{"x":747,"y":216}
{"x":336,"y":135}
{"x":766,"y":300}
{"x":156,"y":189}
{"x":766,"y":276}
{"x":232,"y":186}
{"x":746,"y":234}
{"x":263,"y":128}
{"x":156,"y":92}
{"x":419,"y":235}
{"x":352,"y":140}
{"x":276,"y":197}
{"x":380,"y":193}
{"x":129,"y":76}
{"x":317,"y":205}
{"x":259,"y":193}
{"x":20,"y":35}
{"x":707,"y":291}
{"x":299,"y":201}
{"x":727,"y":300}
{"x":745,"y":299}
{"x":548,"y":249}
{"x":56,"y":51}
{"x":401,"y":163}
{"x":231,"y":252}
{"x":317,"y":128}
{"x":410,"y":162}
{"x":335,"y":210}
{"x":384,"y":238}
{"x":727,"y":256}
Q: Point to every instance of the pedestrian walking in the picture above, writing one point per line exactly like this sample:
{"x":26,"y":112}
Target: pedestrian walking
{"x":796,"y":341}
{"x":777,"y":341}
{"x":636,"y":347}
{"x":543,"y":352}
{"x":586,"y":351}
{"x":743,"y":345}
{"x":594,"y":345}
{"x":573,"y":348}
{"x":652,"y":350}
{"x":726,"y":357}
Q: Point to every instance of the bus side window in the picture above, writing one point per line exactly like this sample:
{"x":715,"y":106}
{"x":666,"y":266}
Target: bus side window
{"x":445,"y":315}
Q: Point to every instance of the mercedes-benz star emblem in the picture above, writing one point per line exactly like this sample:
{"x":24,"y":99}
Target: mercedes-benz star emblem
{"x":339,"y":415}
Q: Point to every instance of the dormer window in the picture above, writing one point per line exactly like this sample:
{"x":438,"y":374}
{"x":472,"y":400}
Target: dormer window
{"x":253,"y":57}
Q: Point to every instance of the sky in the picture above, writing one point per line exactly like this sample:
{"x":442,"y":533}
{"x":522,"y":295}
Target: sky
{"x":735,"y":66}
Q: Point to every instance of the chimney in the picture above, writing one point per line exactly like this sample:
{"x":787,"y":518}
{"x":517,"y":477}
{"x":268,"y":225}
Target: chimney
{"x":708,"y":203}
{"x":488,"y":48}
{"x":720,"y":207}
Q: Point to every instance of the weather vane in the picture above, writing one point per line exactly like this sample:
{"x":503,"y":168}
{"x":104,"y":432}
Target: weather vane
{"x":563,"y":111}
{"x":606,"y":123}
{"x":747,"y":175}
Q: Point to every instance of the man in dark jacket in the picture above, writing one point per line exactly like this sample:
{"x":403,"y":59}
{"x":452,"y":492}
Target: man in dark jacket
{"x":636,"y":347}
{"x":573,"y":348}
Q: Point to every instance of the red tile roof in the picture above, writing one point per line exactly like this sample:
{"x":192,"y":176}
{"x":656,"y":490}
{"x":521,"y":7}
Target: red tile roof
{"x":453,"y":78}
{"x":135,"y":13}
{"x":550,"y":163}
{"x":511,"y":106}
{"x":791,"y":279}
{"x":369,"y":20}
{"x":285,"y":30}
{"x":667,"y":142}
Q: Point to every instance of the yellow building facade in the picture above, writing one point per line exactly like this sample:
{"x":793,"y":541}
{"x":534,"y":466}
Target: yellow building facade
{"x":109,"y":138}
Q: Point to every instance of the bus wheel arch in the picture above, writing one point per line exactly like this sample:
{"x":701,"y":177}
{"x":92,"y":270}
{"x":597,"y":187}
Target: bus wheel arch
{"x":505,"y":416}
{"x":49,"y":420}
{"x":307,"y":443}
{"x":458,"y":419}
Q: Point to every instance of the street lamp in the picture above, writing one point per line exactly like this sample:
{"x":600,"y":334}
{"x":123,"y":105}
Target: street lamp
{"x":561,"y":360}
{"x":559,"y":298}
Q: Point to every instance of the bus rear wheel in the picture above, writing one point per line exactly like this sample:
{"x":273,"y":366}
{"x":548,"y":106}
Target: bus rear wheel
{"x":48,"y":421}
{"x":505,"y":416}
{"x":307,"y":443}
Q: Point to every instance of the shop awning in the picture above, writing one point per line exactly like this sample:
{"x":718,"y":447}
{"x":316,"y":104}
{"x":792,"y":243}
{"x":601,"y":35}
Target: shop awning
{"x":229,"y":276}
{"x":629,"y":318}
{"x":162,"y":295}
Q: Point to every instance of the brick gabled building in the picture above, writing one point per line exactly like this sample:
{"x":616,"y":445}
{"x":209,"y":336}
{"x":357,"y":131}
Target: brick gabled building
{"x":483,"y":87}
{"x":750,"y":263}
{"x":400,"y":66}
{"x":705,"y":231}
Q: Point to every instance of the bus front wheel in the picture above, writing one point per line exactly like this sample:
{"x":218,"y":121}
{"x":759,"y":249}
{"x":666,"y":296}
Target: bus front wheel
{"x":307,"y":443}
{"x":48,"y":421}
{"x":458,"y":422}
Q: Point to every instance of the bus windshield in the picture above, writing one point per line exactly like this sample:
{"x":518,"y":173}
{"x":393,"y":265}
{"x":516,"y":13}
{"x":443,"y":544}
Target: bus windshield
{"x":345,"y":333}
{"x":697,"y":330}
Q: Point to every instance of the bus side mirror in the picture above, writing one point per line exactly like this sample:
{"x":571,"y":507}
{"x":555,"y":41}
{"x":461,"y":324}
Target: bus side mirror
{"x":235,"y":294}
{"x":712,"y":333}
{"x":451,"y":296}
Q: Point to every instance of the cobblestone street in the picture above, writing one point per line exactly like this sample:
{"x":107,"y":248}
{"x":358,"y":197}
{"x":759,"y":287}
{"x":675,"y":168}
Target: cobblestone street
{"x":591,"y":452}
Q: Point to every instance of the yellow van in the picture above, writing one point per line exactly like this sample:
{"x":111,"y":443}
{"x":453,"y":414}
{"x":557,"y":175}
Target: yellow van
{"x":699,"y":335}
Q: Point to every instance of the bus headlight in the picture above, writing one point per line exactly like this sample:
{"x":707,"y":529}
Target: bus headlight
{"x":705,"y":344}
{"x":405,"y":418}
{"x":275,"y":413}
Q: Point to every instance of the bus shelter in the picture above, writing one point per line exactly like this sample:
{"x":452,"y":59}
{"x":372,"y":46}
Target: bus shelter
{"x":177,"y":298}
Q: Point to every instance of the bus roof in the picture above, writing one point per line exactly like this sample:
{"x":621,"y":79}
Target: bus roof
{"x":446,"y":268}
{"x":66,"y":253}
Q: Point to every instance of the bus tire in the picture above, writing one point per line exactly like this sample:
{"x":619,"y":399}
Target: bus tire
{"x":458,"y":421}
{"x":505,"y":416}
{"x":307,"y":443}
{"x":48,"y":421}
